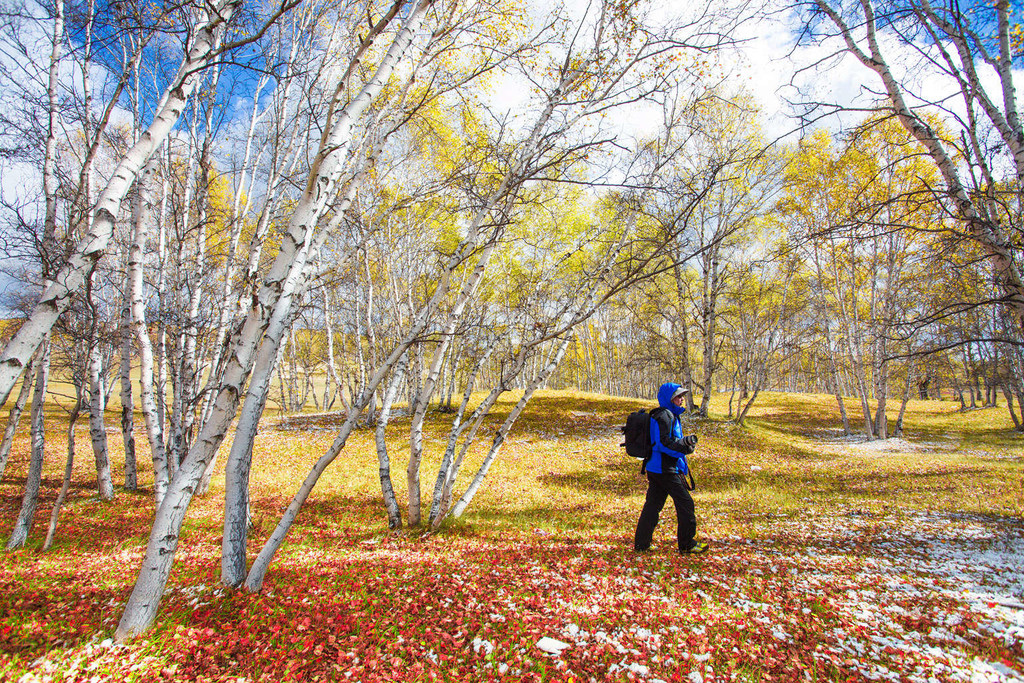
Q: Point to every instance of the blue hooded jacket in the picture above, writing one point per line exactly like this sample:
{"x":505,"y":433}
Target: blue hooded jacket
{"x":668,"y":454}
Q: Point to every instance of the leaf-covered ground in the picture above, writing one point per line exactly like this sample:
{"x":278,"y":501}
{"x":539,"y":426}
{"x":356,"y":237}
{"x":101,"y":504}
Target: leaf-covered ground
{"x":831,"y":560}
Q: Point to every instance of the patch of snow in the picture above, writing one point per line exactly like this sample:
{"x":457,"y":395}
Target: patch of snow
{"x":551,"y":645}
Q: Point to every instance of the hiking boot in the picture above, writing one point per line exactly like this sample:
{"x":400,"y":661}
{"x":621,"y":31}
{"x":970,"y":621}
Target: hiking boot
{"x":697,"y":548}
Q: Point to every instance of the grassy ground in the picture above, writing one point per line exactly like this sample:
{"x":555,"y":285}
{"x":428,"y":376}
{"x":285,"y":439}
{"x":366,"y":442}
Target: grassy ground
{"x":832,"y":559}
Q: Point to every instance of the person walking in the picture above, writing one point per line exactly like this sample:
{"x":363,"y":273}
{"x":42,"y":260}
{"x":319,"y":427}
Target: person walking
{"x":665,"y":471}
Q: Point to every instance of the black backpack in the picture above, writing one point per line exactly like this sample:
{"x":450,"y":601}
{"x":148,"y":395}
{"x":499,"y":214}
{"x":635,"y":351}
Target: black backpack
{"x":636,"y":435}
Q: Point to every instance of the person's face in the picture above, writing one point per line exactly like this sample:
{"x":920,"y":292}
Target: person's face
{"x":678,"y":400}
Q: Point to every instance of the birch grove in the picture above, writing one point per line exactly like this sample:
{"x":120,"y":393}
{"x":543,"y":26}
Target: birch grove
{"x":411,"y":213}
{"x":962,"y":52}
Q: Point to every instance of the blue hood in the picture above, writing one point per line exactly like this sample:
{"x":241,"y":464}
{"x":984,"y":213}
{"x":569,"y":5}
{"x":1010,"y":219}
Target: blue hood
{"x":665,"y":398}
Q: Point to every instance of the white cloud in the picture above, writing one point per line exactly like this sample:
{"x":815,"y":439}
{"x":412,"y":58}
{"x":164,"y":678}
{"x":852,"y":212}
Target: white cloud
{"x":781,"y":74}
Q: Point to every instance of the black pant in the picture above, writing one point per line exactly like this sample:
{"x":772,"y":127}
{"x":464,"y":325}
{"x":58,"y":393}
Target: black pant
{"x":660,"y":487}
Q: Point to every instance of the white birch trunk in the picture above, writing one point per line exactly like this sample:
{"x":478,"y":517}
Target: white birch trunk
{"x":383,"y":462}
{"x":710,"y":315}
{"x":35,"y":471}
{"x":904,"y":400}
{"x":68,"y":470}
{"x":254,"y":581}
{"x":50,"y":182}
{"x":131,"y":477}
{"x":15,"y":415}
{"x":272,"y":304}
{"x":97,"y":427}
{"x":154,"y":433}
{"x":680,"y":332}
{"x":160,"y":349}
{"x":853,"y":338}
{"x":332,"y":368}
{"x":830,"y":347}
{"x":190,"y":365}
{"x":97,"y":404}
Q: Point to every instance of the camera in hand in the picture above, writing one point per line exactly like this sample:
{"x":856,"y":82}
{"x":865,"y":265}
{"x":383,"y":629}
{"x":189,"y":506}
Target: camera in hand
{"x":690,"y":439}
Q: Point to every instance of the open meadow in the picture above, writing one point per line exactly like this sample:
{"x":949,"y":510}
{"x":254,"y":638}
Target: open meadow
{"x":831,"y":559}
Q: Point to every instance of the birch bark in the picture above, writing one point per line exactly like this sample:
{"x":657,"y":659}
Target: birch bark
{"x":35,"y":470}
{"x":499,"y":437}
{"x":14,"y":417}
{"x":154,"y":432}
{"x":97,"y":404}
{"x":383,"y":461}
{"x":131,"y":479}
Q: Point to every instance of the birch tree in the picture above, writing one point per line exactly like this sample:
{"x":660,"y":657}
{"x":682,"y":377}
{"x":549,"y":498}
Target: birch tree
{"x":30,"y":499}
{"x":332,"y":149}
{"x":202,"y":49}
{"x":765,"y":303}
{"x":728,"y":138}
{"x":264,"y":323}
{"x":861,"y":215}
{"x":966,"y":55}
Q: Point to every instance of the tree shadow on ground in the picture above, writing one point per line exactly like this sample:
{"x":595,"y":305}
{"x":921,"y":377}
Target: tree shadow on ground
{"x":85,"y":521}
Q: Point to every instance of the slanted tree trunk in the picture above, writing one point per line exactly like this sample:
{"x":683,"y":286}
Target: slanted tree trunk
{"x":246,"y":178}
{"x":15,"y":415}
{"x":506,"y":426}
{"x":35,"y":469}
{"x":236,"y":476}
{"x":68,"y":470}
{"x":270,"y":308}
{"x":1018,"y":421}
